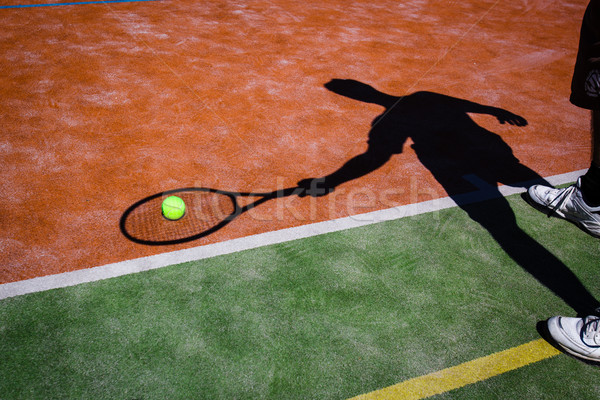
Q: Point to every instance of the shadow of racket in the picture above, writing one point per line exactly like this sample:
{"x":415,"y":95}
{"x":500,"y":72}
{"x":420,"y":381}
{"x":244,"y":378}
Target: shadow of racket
{"x":207,"y":211}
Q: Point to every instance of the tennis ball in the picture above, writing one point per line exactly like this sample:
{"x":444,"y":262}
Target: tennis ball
{"x":173,"y":208}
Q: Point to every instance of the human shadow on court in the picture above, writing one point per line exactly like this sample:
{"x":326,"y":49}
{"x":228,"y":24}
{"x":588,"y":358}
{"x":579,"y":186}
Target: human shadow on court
{"x":464,"y":158}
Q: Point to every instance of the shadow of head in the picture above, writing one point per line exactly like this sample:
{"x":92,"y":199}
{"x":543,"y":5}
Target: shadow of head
{"x":358,"y":91}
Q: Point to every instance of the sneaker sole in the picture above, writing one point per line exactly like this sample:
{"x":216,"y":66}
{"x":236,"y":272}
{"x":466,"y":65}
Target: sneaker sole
{"x":577,"y":355}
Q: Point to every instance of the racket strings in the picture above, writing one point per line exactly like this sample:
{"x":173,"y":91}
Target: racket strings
{"x":204,"y":211}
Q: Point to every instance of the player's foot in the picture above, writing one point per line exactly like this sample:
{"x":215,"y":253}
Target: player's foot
{"x":578,"y":336}
{"x":567,"y":203}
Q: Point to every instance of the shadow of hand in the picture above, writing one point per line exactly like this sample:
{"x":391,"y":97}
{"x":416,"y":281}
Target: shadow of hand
{"x":315,"y":187}
{"x":506,"y":117}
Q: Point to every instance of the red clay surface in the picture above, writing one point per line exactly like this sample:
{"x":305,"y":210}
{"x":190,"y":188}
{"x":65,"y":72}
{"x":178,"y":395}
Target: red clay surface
{"x":103,"y":105}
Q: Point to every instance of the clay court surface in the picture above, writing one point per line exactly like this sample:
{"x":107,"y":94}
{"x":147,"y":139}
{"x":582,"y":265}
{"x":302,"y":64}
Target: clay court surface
{"x":106,"y":104}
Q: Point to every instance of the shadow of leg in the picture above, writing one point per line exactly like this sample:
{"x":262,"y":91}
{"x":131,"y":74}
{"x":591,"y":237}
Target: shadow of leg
{"x":498,"y":219}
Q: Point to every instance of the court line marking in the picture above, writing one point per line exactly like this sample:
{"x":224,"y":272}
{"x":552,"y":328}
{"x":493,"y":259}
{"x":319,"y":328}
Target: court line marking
{"x":465,"y":374}
{"x":73,"y":3}
{"x":133,"y":266}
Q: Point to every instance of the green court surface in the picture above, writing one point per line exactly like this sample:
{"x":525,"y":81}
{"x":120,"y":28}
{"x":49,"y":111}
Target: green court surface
{"x":328,"y":317}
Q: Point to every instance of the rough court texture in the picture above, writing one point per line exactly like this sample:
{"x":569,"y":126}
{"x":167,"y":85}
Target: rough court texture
{"x":106,"y":104}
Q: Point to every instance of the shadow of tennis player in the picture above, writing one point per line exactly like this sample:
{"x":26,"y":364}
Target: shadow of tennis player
{"x":463,"y":157}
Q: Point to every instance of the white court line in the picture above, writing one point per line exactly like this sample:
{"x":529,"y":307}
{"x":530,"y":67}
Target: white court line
{"x":263,"y":239}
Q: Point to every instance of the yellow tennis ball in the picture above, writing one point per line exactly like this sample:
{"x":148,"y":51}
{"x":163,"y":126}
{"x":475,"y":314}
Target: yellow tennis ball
{"x":173,"y":208}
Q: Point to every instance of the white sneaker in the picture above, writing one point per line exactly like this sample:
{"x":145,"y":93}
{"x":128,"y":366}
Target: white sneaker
{"x":578,"y":336}
{"x":567,"y":203}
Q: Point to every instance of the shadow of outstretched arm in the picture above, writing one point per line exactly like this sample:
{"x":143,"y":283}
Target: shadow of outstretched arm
{"x":362,"y":164}
{"x":503,"y":116}
{"x":355,"y":168}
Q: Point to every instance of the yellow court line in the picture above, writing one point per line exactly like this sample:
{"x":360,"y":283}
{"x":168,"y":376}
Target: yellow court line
{"x":464,"y":374}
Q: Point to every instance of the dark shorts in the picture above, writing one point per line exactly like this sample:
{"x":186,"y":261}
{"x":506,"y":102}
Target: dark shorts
{"x":588,"y":57}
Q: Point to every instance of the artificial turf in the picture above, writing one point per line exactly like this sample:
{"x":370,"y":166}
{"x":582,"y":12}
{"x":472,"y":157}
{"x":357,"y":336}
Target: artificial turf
{"x":328,"y":317}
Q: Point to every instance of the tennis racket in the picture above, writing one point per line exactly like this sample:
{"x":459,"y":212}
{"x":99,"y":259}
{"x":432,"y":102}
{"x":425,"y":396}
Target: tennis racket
{"x":207,"y":211}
